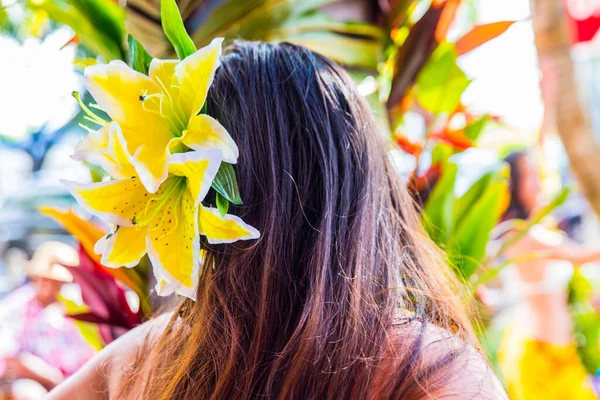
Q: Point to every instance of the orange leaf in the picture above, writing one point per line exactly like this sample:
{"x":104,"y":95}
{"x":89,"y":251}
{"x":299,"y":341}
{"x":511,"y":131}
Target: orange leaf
{"x":408,"y":146}
{"x":455,"y":138}
{"x":86,"y":232}
{"x":481,"y":34}
{"x":446,"y":19}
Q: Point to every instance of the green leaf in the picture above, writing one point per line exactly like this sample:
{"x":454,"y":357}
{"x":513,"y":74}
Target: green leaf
{"x":248,"y":19}
{"x":90,"y":36}
{"x":439,"y":210}
{"x":138,"y":56}
{"x":473,"y":234}
{"x":535,"y":219}
{"x":174,"y":30}
{"x":107,"y":16}
{"x":222,"y":204}
{"x":441,"y":153}
{"x":346,"y":50}
{"x":88,"y":330}
{"x":474,"y":129}
{"x":586,"y":319}
{"x":225,"y":183}
{"x":521,"y":228}
{"x":468,"y":200}
{"x":96,"y":172}
{"x":441,"y":82}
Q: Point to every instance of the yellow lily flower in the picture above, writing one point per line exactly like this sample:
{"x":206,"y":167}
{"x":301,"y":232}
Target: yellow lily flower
{"x":163,"y":224}
{"x":158,"y":114}
{"x":166,"y":225}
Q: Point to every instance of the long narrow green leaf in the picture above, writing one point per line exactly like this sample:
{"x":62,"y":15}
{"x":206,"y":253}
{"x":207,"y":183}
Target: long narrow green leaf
{"x":491,"y":273}
{"x":343,"y":49}
{"x":174,"y":30}
{"x":321,"y":22}
{"x":138,"y":56}
{"x":522,"y":230}
{"x":89,"y":331}
{"x":473,"y":234}
{"x":438,"y":213}
{"x":225,"y":183}
{"x":222,"y":204}
{"x":468,"y":200}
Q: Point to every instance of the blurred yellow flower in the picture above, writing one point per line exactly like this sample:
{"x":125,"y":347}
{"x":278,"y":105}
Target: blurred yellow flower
{"x":159,"y":114}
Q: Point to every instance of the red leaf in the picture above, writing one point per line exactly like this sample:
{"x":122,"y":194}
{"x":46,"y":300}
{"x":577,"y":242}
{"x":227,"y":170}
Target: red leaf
{"x":418,"y":47}
{"x":455,"y":138}
{"x":89,"y":317}
{"x":413,"y":54}
{"x":408,"y":146}
{"x":481,"y":34}
{"x":102,"y":294}
{"x":106,"y":333}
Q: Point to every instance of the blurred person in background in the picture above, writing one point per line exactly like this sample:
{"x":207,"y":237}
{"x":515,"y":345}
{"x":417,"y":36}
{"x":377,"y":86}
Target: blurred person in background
{"x":538,"y":356}
{"x":39,"y":345}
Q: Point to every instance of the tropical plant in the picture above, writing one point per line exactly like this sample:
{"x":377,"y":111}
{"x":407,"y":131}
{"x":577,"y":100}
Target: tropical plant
{"x":583,"y":292}
{"x":355,"y":44}
{"x":421,"y":76}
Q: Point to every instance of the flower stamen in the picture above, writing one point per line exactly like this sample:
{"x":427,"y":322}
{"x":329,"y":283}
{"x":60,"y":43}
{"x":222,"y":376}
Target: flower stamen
{"x":90,"y":113}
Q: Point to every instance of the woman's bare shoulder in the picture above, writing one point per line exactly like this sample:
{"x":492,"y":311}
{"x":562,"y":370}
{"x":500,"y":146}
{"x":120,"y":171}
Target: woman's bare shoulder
{"x":100,"y":377}
{"x":449,"y":367}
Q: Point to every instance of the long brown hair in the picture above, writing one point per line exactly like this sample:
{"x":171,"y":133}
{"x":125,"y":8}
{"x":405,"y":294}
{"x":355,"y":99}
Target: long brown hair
{"x":308,"y":310}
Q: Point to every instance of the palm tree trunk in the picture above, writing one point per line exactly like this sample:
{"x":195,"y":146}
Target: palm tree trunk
{"x":573,"y":126}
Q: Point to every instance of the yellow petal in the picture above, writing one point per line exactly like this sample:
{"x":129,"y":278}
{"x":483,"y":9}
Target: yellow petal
{"x":120,"y":90}
{"x":174,"y":247}
{"x":162,"y":71}
{"x":195,"y":75}
{"x":150,"y":155}
{"x":116,"y":202}
{"x":106,"y":147}
{"x":123,"y":248}
{"x":227,"y":229}
{"x":117,"y":89}
{"x":94,"y":144}
{"x":206,"y":132}
{"x":199,"y":167}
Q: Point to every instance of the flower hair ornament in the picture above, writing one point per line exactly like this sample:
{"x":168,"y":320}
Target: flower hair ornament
{"x":162,"y":154}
